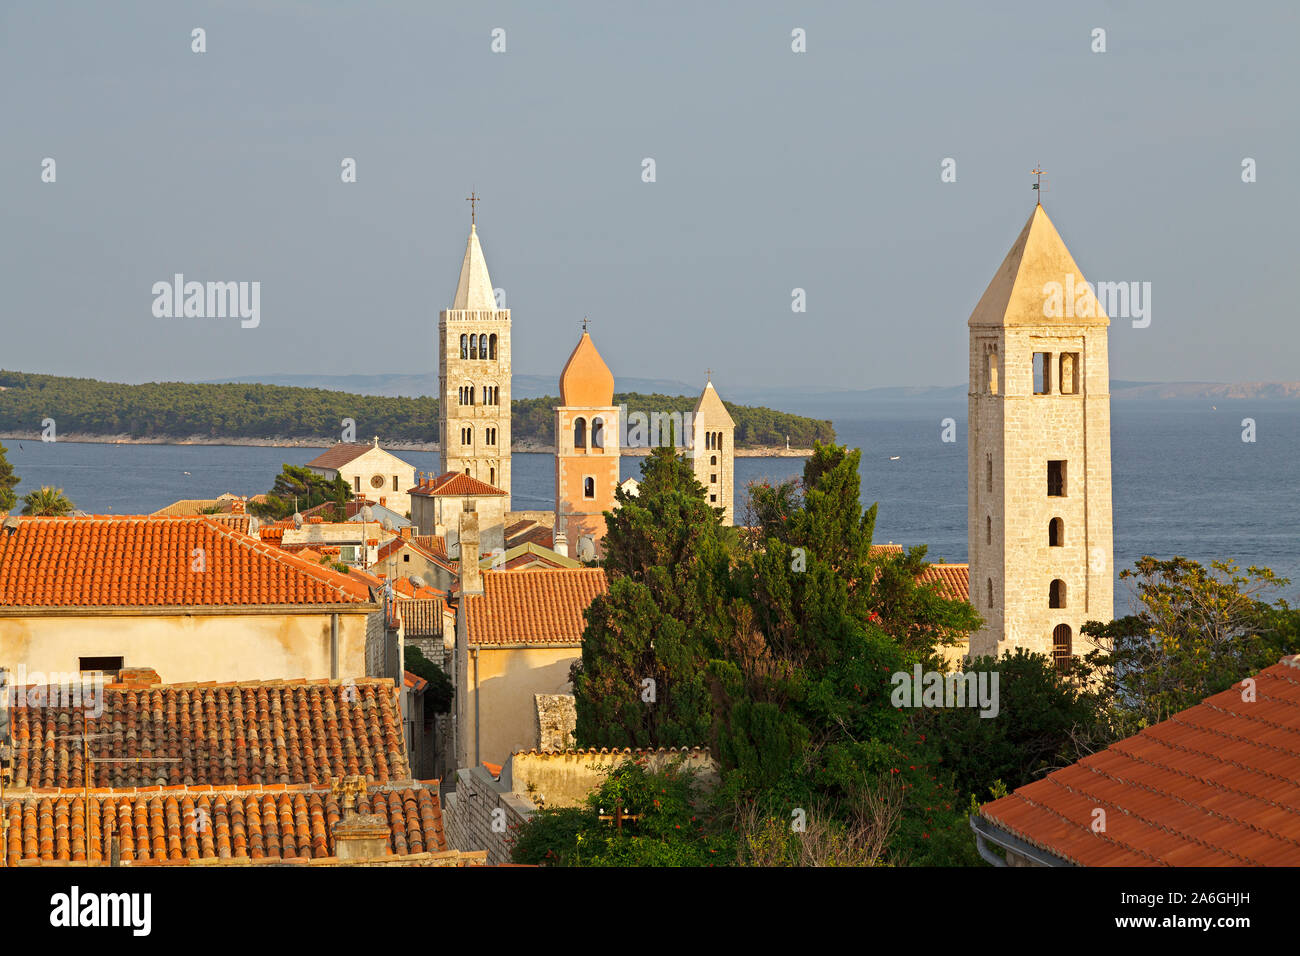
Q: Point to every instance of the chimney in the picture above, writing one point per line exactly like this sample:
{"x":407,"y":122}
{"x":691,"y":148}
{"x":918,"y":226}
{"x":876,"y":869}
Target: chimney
{"x":471,"y":579}
{"x":138,"y":677}
{"x":405,"y":532}
{"x":237,"y":506}
{"x":357,"y":836}
{"x":560,"y":543}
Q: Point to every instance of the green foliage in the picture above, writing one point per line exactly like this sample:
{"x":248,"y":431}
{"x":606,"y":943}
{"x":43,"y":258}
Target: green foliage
{"x":8,"y":481}
{"x":299,"y":487}
{"x":438,"y":695}
{"x":1200,"y":631}
{"x":47,"y":502}
{"x":1043,"y":717}
{"x":671,"y":825}
{"x":184,"y":410}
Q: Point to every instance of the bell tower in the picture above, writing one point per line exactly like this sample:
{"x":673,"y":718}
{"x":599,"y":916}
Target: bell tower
{"x":1038,"y":465}
{"x":713,"y":451}
{"x":586,"y":450}
{"x":474,"y":376}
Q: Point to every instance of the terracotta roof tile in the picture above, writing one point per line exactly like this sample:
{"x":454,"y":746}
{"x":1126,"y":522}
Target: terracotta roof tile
{"x":1217,"y":784}
{"x":238,"y":734}
{"x":953,"y":580}
{"x":186,"y":826}
{"x":454,"y":483}
{"x":339,"y":455}
{"x":142,"y":561}
{"x":537,"y":607}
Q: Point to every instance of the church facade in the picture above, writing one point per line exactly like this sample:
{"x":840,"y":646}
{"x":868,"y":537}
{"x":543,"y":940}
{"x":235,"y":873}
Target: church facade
{"x":1039,"y":472}
{"x":474,"y":377}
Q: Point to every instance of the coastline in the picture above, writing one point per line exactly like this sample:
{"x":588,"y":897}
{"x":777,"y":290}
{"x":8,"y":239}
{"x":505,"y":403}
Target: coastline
{"x":759,"y":451}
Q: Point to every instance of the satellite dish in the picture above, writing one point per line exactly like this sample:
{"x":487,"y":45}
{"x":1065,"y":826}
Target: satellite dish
{"x":297,"y":520}
{"x":586,"y":548}
{"x":367,"y":513}
{"x":416,"y":581}
{"x":388,"y":524}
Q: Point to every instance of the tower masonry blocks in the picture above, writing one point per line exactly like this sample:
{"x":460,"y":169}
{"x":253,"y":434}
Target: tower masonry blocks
{"x":1039,"y":472}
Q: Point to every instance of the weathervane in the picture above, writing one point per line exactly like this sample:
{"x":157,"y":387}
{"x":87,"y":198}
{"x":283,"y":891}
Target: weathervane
{"x":584,"y":323}
{"x":1038,"y":186}
{"x":473,"y":200}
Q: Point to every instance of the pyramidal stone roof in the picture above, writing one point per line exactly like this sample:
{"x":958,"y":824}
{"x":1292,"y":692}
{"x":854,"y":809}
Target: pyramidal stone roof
{"x":711,"y":409}
{"x":1021,"y":293}
{"x":474,"y":290}
{"x":586,"y":381}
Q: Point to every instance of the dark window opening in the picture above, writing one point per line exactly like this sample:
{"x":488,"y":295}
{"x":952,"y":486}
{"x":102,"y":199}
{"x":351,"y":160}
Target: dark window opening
{"x":108,"y":666}
{"x":589,"y":487}
{"x":1056,"y":594}
{"x":1062,"y":641}
{"x":1056,"y":533}
{"x":1056,"y":479}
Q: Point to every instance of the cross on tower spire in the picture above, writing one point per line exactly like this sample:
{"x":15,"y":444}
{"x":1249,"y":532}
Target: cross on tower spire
{"x":708,"y":375}
{"x":472,"y":199}
{"x":1038,"y":184}
{"x":584,"y":323}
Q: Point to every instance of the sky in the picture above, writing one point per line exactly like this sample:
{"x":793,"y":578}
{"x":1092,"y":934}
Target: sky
{"x":774,"y":171}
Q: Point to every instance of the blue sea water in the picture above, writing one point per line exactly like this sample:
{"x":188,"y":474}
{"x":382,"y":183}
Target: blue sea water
{"x":1184,"y":481}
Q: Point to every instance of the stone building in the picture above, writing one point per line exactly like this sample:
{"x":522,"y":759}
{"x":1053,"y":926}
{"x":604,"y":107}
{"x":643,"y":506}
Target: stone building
{"x":379,"y":475}
{"x":437,"y":503}
{"x":714,"y":452}
{"x":586,"y":452}
{"x":1039,"y":484}
{"x":474,"y":377}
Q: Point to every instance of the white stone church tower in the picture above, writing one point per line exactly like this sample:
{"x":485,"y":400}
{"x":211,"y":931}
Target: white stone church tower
{"x":474,"y":377}
{"x":1039,"y":480}
{"x":714,"y":452}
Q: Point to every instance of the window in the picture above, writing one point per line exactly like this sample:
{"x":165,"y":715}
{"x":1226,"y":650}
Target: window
{"x":579,"y":433}
{"x":1069,"y":377}
{"x":356,"y":482}
{"x":713,"y":459}
{"x":467,"y":438}
{"x":708,"y":440}
{"x":1061,"y":646}
{"x":598,"y":433}
{"x":492,"y":347}
{"x":1056,"y":479}
{"x":713,"y":499}
{"x":108,"y":666}
{"x":492,"y":476}
{"x":1056,"y":533}
{"x":988,"y":530}
{"x":406,"y":557}
{"x":1056,"y":594}
{"x":490,"y":436}
{"x":473,"y":346}
{"x":990,"y":583}
{"x":991,"y":378}
{"x":988,"y":472}
{"x":713,"y":479}
{"x":589,"y":487}
{"x":376,"y":481}
{"x":464,"y":346}
{"x":1042,"y":373}
{"x":395,"y":488}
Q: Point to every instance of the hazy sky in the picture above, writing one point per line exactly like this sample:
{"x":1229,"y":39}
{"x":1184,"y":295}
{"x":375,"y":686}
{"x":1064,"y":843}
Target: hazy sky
{"x":774,"y":170}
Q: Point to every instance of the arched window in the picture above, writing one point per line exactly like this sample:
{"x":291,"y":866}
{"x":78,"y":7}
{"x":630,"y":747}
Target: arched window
{"x":713,"y":459}
{"x":1056,"y":533}
{"x":1056,"y":593}
{"x":464,"y":346}
{"x":598,"y":433}
{"x":492,"y":476}
{"x":990,"y":592}
{"x":708,"y":440}
{"x":579,"y":433}
{"x":589,"y":487}
{"x":468,"y":438}
{"x":1062,"y":641}
{"x":473,"y":346}
{"x":993,"y":372}
{"x":492,"y":347}
{"x":988,"y":530}
{"x":988,"y":472}
{"x":482,"y":346}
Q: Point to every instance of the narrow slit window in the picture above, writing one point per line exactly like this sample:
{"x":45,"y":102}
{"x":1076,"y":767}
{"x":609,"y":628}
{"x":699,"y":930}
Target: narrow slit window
{"x":1042,"y":373}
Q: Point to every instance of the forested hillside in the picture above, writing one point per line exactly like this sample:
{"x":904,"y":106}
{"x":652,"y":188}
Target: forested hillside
{"x":84,"y":406}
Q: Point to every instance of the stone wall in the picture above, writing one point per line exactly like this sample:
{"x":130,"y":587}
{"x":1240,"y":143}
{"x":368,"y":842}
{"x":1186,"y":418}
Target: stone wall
{"x":557,"y":719}
{"x":481,"y":814}
{"x":565,"y":778}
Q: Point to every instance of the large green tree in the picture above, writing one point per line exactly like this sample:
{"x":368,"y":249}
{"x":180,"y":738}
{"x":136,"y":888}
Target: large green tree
{"x":301,"y":488}
{"x":8,"y":481}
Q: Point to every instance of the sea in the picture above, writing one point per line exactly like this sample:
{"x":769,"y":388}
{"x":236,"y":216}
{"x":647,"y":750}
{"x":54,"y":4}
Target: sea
{"x":1184,"y":481}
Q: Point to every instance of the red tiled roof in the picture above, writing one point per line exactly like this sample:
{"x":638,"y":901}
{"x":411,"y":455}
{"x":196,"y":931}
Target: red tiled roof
{"x":536,"y":534}
{"x":255,"y":824}
{"x":953,"y":580}
{"x":1215,"y":785}
{"x":538,"y":607}
{"x":339,"y":455}
{"x":454,"y":483}
{"x":433,"y":543}
{"x":414,"y":681}
{"x":395,"y":545}
{"x":237,"y":734}
{"x":143,"y":561}
{"x":422,"y":617}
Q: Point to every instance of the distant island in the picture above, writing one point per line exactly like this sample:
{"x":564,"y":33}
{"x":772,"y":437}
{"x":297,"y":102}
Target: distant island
{"x":85,"y":409}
